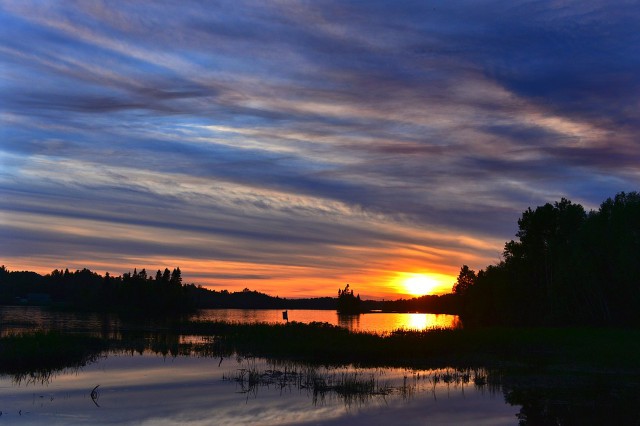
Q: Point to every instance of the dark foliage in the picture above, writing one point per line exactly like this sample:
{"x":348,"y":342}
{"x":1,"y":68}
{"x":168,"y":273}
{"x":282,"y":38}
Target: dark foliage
{"x":250,"y":299}
{"x":135,"y":293}
{"x":37,"y":355}
{"x":435,"y":304}
{"x":567,"y":267}
{"x":347,"y":302}
{"x":164,"y":293}
{"x":556,"y":375}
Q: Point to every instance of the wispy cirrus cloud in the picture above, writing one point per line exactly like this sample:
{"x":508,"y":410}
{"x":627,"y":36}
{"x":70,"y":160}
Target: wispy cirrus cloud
{"x":282,"y":143}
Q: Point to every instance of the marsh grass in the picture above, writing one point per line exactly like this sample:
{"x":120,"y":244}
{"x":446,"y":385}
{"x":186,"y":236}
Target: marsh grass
{"x":564,"y":348}
{"x":351,"y":385}
{"x":36,"y":356}
{"x":555,"y":374}
{"x":567,"y":353}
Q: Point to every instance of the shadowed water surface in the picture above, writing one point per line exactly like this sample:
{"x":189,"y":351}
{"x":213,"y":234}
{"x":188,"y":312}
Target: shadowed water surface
{"x":150,"y":374}
{"x":151,"y":389}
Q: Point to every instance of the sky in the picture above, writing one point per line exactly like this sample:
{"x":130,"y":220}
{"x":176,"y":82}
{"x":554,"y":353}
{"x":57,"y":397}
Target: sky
{"x":293,"y":147}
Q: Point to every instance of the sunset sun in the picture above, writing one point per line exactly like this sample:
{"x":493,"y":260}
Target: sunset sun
{"x":419,"y":284}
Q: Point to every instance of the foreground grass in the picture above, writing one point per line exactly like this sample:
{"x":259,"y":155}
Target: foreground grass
{"x":556,"y":376}
{"x":562,"y":349}
{"x":583,"y":347}
{"x":39,"y":353}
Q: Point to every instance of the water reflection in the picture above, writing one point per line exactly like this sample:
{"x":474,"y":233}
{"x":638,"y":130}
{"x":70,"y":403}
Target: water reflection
{"x":349,"y":321}
{"x":417,"y":322}
{"x":168,"y":379}
{"x":370,"y":322}
{"x":27,"y":318}
{"x":152,"y":389}
{"x":165,"y":378}
{"x":352,"y":385}
{"x":18,"y":319}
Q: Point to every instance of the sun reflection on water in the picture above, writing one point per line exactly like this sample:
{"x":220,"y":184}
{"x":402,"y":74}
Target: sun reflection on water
{"x":416,"y":321}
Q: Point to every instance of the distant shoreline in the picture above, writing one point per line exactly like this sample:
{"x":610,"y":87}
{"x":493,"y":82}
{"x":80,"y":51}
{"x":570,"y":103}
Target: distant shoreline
{"x":165,"y":294}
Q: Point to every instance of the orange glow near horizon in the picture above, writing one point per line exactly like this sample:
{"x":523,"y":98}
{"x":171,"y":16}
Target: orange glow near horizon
{"x":378,"y":271}
{"x":276,"y":280}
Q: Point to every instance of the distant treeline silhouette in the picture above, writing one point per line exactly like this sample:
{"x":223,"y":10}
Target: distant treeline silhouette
{"x":431,"y":303}
{"x":137,"y":292}
{"x":251,"y":299}
{"x":164,"y":293}
{"x":83,"y":289}
{"x":568,"y":267}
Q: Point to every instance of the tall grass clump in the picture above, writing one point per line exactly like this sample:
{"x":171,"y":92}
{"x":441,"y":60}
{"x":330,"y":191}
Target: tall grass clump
{"x":39,"y":353}
{"x":325,"y":343}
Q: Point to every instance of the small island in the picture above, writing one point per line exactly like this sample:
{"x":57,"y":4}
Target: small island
{"x":348,"y":303}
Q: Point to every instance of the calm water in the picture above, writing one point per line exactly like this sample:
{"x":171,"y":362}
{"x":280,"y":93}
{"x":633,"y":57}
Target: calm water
{"x":153,"y":390}
{"x":149,"y":388}
{"x":25,"y":318}
{"x":139,"y":386}
{"x":372,"y":323}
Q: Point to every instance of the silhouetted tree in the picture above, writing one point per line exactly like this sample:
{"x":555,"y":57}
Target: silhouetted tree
{"x":347,"y":302}
{"x":176,"y":277}
{"x":87,"y":290}
{"x":612,"y":246}
{"x":466,"y":279}
{"x":567,"y":267}
{"x":166,"y":276}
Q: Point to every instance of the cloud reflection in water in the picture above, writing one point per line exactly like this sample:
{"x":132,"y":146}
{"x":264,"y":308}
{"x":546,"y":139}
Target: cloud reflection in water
{"x":151,"y":389}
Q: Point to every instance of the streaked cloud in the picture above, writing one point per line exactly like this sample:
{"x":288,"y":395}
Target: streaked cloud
{"x":291,"y":147}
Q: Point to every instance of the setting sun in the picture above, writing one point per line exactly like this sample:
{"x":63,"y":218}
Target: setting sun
{"x":419,"y":284}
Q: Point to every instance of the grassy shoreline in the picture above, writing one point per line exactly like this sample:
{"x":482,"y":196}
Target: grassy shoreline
{"x":34,"y":356}
{"x":586,"y":347}
{"x":555,"y":375}
{"x":592,"y":349}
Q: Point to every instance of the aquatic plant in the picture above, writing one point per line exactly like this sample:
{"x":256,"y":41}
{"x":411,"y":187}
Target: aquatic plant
{"x":325,"y":343}
{"x":352,"y":385}
{"x":36,"y":356}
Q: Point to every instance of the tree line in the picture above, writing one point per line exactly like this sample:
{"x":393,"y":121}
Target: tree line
{"x":252,"y":299}
{"x":430,"y":303}
{"x":137,"y":292}
{"x":567,"y":267}
{"x":164,"y":293}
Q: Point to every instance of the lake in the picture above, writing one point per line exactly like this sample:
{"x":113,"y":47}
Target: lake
{"x":19,"y":318}
{"x":141,"y":383}
{"x":152,"y":389}
{"x":370,"y":322}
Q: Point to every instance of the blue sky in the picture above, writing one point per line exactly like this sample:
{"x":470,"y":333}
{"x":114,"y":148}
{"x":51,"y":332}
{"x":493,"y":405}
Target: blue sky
{"x":291,"y":147}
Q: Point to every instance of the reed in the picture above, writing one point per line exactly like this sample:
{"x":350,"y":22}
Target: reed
{"x":35,"y":356}
{"x":324,"y":343}
{"x":351,"y":386}
{"x":321,"y":343}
